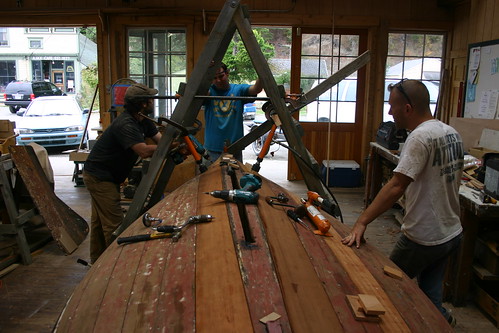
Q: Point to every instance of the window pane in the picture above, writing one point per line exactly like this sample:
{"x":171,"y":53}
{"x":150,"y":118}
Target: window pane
{"x":177,"y":41}
{"x":414,"y":45}
{"x":349,"y":45}
{"x":310,"y":44}
{"x":396,"y":44}
{"x":434,"y":46}
{"x":326,"y":45}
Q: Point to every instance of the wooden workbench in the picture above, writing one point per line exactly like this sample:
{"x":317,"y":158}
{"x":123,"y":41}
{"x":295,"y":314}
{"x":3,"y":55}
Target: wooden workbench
{"x":474,"y":213}
{"x":221,"y":277}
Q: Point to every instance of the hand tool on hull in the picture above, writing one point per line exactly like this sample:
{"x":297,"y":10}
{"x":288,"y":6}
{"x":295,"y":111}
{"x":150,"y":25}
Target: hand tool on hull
{"x":177,"y":230}
{"x":143,"y":237}
{"x":324,"y":204}
{"x":246,"y":195}
{"x":317,"y":218}
{"x":150,"y":221}
{"x":166,"y":231}
{"x":295,"y":214}
{"x":194,"y":147}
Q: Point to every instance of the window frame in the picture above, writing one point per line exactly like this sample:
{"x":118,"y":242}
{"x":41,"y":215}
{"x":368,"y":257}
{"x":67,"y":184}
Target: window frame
{"x":430,"y":82}
{"x":151,"y":76}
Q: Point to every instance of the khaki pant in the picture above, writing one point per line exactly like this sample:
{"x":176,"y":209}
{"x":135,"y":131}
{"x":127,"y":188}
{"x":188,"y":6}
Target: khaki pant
{"x":107,"y":214}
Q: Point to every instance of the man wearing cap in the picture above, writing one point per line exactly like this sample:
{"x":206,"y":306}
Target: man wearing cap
{"x":111,"y":160}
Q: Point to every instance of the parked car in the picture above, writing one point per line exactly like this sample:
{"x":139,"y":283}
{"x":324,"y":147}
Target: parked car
{"x":52,"y":121}
{"x":336,"y":105}
{"x":249,"y":111}
{"x":18,"y":94}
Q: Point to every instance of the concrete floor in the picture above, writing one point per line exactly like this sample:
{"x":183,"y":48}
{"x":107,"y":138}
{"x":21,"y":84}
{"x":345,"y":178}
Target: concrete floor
{"x":33,"y":296}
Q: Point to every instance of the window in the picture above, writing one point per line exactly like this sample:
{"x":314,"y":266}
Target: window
{"x":35,"y":43}
{"x":158,"y":58}
{"x":63,"y":30}
{"x":38,"y":30}
{"x":4,"y":41}
{"x":414,"y":56}
{"x":321,"y":56}
{"x":7,"y":73}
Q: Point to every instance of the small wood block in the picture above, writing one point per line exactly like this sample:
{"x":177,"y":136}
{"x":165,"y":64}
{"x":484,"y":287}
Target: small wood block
{"x":371,"y":305}
{"x":393,"y":272}
{"x":270,"y":317}
{"x":358,"y":312}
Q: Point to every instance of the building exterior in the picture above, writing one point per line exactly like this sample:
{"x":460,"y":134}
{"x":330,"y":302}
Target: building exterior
{"x":55,"y":54}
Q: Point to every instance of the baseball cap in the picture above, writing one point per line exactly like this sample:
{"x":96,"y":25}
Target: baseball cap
{"x":138,"y":89}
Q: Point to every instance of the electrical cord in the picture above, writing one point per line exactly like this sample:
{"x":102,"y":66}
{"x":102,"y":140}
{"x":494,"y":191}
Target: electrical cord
{"x":295,"y":153}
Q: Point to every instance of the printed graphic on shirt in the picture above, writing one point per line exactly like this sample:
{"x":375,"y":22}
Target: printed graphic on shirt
{"x":448,"y":155}
{"x":223,"y":108}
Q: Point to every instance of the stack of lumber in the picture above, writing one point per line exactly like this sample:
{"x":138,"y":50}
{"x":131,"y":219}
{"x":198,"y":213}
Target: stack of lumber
{"x":272,"y":276}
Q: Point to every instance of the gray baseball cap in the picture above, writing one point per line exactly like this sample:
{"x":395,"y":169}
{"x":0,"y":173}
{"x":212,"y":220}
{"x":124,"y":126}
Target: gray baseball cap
{"x":138,"y":89}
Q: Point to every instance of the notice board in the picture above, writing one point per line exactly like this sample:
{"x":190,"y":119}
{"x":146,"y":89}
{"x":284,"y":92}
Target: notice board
{"x":482,"y":81}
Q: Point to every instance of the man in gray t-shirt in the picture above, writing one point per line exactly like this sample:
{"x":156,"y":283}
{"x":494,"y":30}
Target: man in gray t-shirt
{"x":429,"y":174}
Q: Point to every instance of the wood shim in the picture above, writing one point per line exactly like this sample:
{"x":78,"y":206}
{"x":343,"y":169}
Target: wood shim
{"x":371,"y":305}
{"x":359,"y":315}
{"x":393,"y":272}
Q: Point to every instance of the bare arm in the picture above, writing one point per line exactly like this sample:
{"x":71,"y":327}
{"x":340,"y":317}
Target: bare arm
{"x":157,"y":137}
{"x":144,"y":150}
{"x":256,"y":88}
{"x":384,"y":200}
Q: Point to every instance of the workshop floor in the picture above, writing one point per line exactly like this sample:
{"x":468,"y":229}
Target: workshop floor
{"x":33,"y":296}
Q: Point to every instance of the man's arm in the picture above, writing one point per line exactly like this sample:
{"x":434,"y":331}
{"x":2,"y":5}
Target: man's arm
{"x":156,"y":137}
{"x":383,"y":201}
{"x":256,"y":88}
{"x":144,"y":150}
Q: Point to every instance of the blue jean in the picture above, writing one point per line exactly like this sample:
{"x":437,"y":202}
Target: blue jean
{"x":427,"y":264}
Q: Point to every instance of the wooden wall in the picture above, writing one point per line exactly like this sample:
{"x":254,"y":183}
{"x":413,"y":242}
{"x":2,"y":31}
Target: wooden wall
{"x":376,"y":17}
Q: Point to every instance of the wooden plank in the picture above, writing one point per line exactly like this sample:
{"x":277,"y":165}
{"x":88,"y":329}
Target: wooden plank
{"x":327,"y":267}
{"x":417,"y":310}
{"x":67,"y":227}
{"x":263,"y":293}
{"x":366,"y":283}
{"x":217,"y":270}
{"x":165,"y":278}
{"x":309,"y":307}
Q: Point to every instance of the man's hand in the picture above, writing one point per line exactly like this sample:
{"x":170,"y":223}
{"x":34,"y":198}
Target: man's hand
{"x":356,"y":235}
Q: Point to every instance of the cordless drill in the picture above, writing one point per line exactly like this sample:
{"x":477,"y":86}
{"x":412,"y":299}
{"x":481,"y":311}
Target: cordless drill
{"x":246,"y":195}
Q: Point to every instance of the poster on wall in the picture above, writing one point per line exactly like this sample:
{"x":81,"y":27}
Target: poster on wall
{"x":482,"y":83}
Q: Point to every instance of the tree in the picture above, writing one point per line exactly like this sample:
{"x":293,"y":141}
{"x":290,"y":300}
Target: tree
{"x":237,"y":58}
{"x":89,"y":80}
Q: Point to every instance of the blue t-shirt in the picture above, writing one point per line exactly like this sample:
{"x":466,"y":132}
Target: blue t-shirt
{"x":224,"y":118}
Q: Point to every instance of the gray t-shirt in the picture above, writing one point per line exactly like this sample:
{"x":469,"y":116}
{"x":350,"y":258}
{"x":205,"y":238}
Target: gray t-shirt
{"x":433,"y":157}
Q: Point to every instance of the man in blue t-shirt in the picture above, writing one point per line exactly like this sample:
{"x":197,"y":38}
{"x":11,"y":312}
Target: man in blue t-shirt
{"x":111,"y":160}
{"x":224,"y":118}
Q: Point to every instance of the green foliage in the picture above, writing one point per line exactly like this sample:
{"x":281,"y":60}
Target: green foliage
{"x":90,"y":33}
{"x":89,"y":80}
{"x":238,"y":60}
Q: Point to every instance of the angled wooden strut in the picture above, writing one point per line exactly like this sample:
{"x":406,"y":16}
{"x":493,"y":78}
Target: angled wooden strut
{"x":232,"y":16}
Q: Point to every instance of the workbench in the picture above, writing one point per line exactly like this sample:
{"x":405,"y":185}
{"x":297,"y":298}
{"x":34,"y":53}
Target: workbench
{"x":474,"y":215}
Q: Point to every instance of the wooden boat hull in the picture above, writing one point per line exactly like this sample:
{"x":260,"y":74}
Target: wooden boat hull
{"x":223,"y":277}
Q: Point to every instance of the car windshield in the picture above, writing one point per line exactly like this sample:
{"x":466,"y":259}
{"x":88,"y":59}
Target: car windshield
{"x":52,"y":107}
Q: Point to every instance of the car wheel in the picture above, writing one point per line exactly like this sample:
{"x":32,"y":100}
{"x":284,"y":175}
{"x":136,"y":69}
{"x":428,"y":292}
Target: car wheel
{"x":12,"y":109}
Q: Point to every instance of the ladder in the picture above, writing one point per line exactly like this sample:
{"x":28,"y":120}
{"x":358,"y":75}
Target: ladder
{"x":233,"y":16}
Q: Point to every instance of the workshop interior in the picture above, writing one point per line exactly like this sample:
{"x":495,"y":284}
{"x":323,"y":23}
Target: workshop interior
{"x":255,"y":245}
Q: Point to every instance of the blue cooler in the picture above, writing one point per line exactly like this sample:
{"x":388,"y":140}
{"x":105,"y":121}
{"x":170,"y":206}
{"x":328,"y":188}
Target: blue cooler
{"x":342,"y":173}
